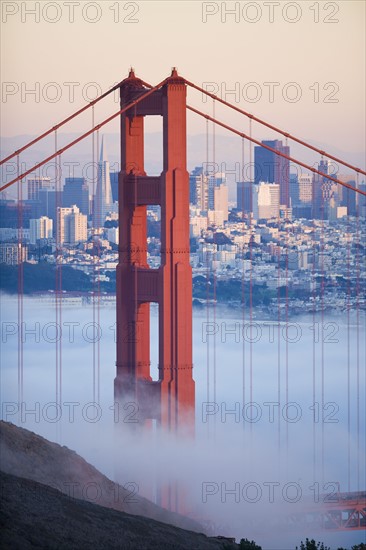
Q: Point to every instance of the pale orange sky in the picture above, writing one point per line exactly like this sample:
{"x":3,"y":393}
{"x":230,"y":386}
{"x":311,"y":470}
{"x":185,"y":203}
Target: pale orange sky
{"x":322,"y":58}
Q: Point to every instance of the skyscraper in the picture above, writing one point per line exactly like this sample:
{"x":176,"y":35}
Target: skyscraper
{"x":114,"y":185}
{"x":266,"y":197}
{"x":35,"y":185}
{"x":324,"y":191}
{"x":294,"y":189}
{"x":305,"y":188}
{"x":76,"y":191}
{"x":40,"y":228}
{"x":214,"y":180}
{"x":244,"y":196}
{"x":347,"y":197}
{"x":198,"y":189}
{"x":71,"y":225}
{"x":272,"y":168}
{"x":49,"y":200}
{"x":221,"y":199}
{"x":361,"y":201}
{"x":103,"y":195}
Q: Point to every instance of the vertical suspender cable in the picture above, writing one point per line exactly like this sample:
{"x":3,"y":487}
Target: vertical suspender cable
{"x":59,"y":223}
{"x":60,"y":236}
{"x":348,"y":355}
{"x":314,"y":335}
{"x":20,"y":258}
{"x":242,"y":193}
{"x":59,"y":183}
{"x":98,"y":327}
{"x":323,"y":192}
{"x":95,"y":177}
{"x":205,"y":193}
{"x":251,"y":284}
{"x":357,"y":341}
{"x":215,"y":256}
{"x":287,"y":203}
{"x":279,"y":347}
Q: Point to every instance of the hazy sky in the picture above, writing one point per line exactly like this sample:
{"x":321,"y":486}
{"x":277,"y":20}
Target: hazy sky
{"x":319,"y":47}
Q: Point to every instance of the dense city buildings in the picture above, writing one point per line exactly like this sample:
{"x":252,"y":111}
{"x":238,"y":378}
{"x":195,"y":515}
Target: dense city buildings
{"x":300,"y":244}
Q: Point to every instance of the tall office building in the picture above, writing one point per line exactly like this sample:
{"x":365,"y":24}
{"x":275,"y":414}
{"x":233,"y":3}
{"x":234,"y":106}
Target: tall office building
{"x":71,"y":225}
{"x":208,"y":192}
{"x":305,"y":188}
{"x":114,"y":185}
{"x":294,"y":189}
{"x":221,"y":200}
{"x":361,"y":201}
{"x":50,"y":200}
{"x":13,"y":253}
{"x":244,"y":196}
{"x":325,"y":191}
{"x":214,"y":180}
{"x":76,"y":191}
{"x":40,"y":228}
{"x":266,"y":200}
{"x":272,"y":168}
{"x":103,"y":195}
{"x":347,"y":197}
{"x":34,"y":185}
{"x":198,"y":189}
{"x":15,"y":214}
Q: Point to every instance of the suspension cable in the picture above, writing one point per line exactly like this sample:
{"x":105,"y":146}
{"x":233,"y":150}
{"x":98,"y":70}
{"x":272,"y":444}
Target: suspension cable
{"x":83,"y":136}
{"x":292,"y":159}
{"x":54,"y":128}
{"x":286,"y":134}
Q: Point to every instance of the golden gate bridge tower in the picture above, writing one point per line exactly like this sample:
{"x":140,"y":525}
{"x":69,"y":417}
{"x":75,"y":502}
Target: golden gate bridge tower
{"x":171,"y":399}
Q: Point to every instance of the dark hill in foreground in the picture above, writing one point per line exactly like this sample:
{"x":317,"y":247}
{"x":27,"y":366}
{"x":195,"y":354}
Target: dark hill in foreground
{"x":33,"y":515}
{"x":37,"y":509}
{"x":26,"y":454}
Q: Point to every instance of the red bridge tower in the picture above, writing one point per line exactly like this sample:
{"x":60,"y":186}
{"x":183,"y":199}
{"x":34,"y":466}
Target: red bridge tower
{"x":171,"y":399}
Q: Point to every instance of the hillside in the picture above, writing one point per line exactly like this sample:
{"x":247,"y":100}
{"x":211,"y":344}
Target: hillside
{"x":25,"y":454}
{"x":33,"y":515}
{"x":38,"y":481}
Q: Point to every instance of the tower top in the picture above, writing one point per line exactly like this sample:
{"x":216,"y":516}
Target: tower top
{"x":175,"y":78}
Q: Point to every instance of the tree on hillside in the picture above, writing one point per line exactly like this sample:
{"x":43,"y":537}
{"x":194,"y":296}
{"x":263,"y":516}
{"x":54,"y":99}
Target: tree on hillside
{"x":245,"y":544}
{"x":312,"y":545}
